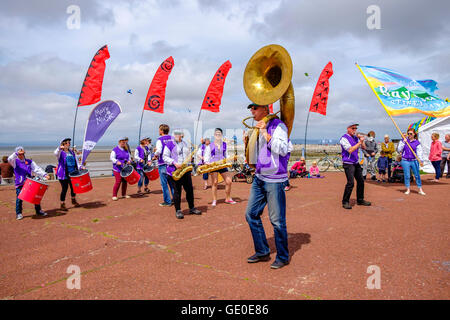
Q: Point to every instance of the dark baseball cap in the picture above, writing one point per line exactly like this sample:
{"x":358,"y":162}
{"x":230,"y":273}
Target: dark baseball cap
{"x":255,"y":105}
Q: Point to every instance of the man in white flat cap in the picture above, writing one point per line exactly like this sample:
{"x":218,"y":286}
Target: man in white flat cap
{"x":350,"y":144}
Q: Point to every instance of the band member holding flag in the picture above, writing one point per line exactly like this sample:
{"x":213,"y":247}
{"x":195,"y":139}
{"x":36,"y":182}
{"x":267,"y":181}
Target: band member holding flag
{"x":175,"y":154}
{"x":23,"y":168}
{"x":119,"y":157}
{"x":141,"y":157}
{"x":409,"y":161}
{"x":67,"y":163}
{"x":400,"y":94}
{"x":217,"y":152}
{"x":268,"y":187}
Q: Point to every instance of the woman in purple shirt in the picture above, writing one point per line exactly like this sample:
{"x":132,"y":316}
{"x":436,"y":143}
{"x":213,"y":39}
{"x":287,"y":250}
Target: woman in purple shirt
{"x":119,"y":157}
{"x":67,"y":163}
{"x":409,"y":161}
{"x":24,"y":168}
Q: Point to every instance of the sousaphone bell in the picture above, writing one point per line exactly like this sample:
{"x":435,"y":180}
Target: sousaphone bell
{"x":267,"y":79}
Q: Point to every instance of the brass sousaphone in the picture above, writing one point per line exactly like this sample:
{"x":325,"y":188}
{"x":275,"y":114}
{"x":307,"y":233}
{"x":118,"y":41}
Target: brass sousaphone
{"x":267,"y":78}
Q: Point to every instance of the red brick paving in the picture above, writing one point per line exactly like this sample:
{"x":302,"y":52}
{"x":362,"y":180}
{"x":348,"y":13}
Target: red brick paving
{"x":134,"y":249}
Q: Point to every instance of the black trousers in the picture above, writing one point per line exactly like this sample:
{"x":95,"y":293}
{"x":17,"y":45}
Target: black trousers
{"x":352,"y":172}
{"x":444,"y":162}
{"x":64,"y":187}
{"x":186,"y":183}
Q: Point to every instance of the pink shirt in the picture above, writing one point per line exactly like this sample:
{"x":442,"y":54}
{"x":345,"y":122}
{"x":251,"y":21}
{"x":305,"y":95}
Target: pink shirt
{"x":314,"y":170}
{"x":435,"y":151}
{"x":299,"y":167}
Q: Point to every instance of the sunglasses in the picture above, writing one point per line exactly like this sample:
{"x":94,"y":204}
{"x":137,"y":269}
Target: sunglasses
{"x":410,"y":133}
{"x":354,"y":128}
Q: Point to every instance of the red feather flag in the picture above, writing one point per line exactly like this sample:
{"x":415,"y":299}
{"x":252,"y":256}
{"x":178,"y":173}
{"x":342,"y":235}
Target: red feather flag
{"x":320,"y":96}
{"x":157,"y":91}
{"x":91,"y":91}
{"x":213,"y":97}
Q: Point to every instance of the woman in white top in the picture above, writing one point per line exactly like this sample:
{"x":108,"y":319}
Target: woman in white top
{"x":203,"y":154}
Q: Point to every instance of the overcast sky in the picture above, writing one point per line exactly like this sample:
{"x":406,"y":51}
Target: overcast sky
{"x":43,"y":62}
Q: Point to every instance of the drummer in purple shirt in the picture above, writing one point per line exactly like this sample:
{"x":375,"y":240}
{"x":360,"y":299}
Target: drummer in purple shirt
{"x":142,"y":154}
{"x":67,"y":163}
{"x":23,"y":169}
{"x":120,"y":156}
{"x":350,"y":144}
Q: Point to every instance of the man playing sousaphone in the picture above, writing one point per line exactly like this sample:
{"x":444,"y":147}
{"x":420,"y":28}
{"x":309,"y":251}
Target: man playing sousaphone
{"x":271,"y":164}
{"x":267,"y":79}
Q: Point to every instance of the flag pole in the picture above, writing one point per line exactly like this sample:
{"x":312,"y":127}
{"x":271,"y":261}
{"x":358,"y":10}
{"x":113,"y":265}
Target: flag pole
{"x":73,"y":132}
{"x":140,"y":126}
{"x":385,"y":109}
{"x":196,"y":127}
{"x":306,"y":130}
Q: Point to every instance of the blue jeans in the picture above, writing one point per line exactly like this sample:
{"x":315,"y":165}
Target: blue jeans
{"x":143,"y":179}
{"x":437,"y":168}
{"x":162,"y":169}
{"x":37,"y":207}
{"x":273,"y":195}
{"x":407,"y":166}
{"x":389,"y":168}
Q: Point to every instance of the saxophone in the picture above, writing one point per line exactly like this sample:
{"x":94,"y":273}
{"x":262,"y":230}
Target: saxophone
{"x":179,"y":173}
{"x":217,"y":165}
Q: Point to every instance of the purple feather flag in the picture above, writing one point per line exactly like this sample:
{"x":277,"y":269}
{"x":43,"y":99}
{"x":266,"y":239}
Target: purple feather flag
{"x":99,"y":120}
